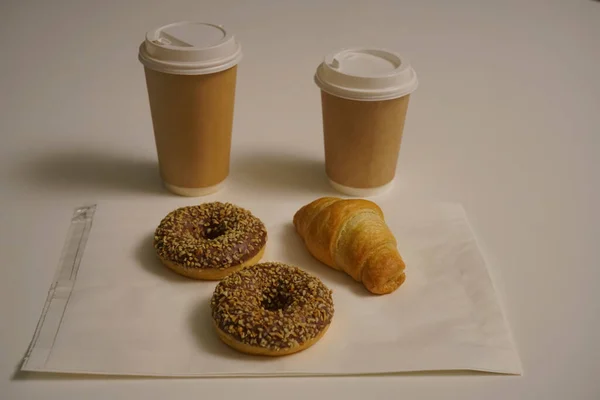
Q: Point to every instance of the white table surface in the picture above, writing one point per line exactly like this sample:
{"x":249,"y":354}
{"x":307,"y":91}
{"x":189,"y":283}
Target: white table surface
{"x":506,"y":121}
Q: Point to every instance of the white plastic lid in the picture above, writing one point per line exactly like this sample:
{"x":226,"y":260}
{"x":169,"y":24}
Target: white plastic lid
{"x":190,"y":48}
{"x":366,"y":74}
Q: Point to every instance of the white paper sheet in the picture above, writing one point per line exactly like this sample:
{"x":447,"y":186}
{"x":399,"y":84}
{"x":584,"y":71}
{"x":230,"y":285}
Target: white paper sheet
{"x":126,"y":314}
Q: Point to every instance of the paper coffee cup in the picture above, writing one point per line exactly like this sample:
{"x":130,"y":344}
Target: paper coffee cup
{"x":190,"y":73}
{"x":364,"y":96}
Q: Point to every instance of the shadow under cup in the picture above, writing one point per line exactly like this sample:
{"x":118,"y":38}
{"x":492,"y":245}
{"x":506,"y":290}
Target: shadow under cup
{"x":192,"y":116}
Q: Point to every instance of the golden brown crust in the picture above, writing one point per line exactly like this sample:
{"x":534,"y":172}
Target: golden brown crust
{"x":352,"y":236}
{"x":262,"y":351}
{"x":211,"y":274}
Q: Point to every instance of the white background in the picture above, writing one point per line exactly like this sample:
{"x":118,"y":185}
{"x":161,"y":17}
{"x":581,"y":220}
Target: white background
{"x":506,"y":121}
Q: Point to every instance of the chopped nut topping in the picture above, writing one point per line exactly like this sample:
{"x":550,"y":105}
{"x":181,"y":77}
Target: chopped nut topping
{"x":281,"y":306}
{"x":211,"y":235}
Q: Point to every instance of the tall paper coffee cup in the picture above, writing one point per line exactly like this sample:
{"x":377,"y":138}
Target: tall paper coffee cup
{"x":364,"y":96}
{"x":190,"y":71}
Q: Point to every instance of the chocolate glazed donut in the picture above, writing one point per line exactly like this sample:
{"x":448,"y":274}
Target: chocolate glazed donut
{"x":210,"y":241}
{"x":271,"y":309}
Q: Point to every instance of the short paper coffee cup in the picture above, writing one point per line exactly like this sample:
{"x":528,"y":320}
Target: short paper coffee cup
{"x":364,"y":96}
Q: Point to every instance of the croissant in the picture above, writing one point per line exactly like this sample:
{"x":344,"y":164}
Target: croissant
{"x":352,"y":236}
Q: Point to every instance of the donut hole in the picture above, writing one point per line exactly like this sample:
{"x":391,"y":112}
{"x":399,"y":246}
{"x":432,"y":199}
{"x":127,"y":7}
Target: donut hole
{"x":213,"y":231}
{"x":276,"y":298}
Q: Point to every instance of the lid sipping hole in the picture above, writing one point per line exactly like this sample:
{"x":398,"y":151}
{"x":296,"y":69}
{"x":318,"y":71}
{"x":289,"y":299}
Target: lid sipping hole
{"x":165,"y":38}
{"x":162,"y":40}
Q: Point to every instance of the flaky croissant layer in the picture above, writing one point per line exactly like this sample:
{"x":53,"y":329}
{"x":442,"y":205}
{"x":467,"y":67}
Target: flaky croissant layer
{"x":352,"y":236}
